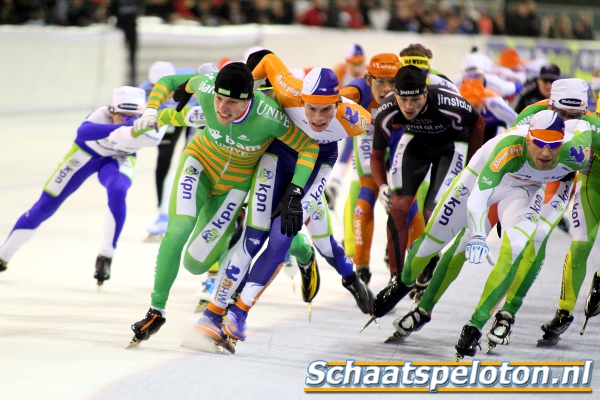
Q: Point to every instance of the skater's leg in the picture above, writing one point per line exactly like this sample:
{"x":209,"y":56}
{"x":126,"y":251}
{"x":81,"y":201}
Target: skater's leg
{"x":57,"y":189}
{"x":116,"y":177}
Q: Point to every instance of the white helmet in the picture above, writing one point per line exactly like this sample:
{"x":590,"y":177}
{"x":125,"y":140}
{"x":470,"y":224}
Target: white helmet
{"x":160,"y":69}
{"x":129,"y":99}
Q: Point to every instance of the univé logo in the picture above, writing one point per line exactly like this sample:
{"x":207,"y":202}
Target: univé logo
{"x":210,"y":235}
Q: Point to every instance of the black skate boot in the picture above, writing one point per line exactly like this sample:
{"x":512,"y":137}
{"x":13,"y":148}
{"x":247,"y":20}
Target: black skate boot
{"x":468,"y":342}
{"x":389,"y":296}
{"x":555,"y":327}
{"x":102,"y":269}
{"x":423,"y":280}
{"x":147,"y":327}
{"x":411,"y":322}
{"x":362,"y":294}
{"x":310,"y":278}
{"x":592,"y":304}
{"x":501,"y":329}
{"x":364,"y":273}
{"x":3,"y":265}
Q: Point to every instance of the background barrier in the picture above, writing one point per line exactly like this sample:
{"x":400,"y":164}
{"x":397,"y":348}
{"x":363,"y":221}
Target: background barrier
{"x":54,"y":68}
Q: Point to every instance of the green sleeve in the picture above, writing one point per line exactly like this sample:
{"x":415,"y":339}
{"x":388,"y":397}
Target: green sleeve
{"x":164,"y":86}
{"x":307,"y":149}
{"x":188,"y":116}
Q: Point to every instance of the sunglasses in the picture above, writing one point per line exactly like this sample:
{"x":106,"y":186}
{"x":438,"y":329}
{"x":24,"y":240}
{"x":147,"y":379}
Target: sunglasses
{"x":548,"y":80}
{"x":124,"y":117}
{"x":567,"y":115}
{"x":551,"y":145}
{"x":383,"y":81}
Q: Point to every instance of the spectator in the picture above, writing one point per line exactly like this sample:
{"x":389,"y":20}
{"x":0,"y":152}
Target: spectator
{"x":282,"y":12}
{"x":80,"y":13}
{"x":498,"y":22}
{"x":315,"y":15}
{"x":164,"y":9}
{"x":523,"y":21}
{"x":548,"y":27}
{"x":583,"y":29}
{"x":538,"y":89}
{"x":485,"y":25}
{"x":564,"y":30}
{"x":403,"y":19}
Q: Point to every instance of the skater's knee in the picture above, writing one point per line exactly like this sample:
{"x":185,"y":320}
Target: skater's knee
{"x":196,"y":267}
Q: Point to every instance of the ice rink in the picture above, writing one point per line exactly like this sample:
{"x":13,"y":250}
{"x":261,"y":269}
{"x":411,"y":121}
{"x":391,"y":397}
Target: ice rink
{"x":60,"y":338}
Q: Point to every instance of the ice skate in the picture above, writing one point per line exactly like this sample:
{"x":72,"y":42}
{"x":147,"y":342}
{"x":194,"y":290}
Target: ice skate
{"x":592,"y":303}
{"x":555,"y":327}
{"x":362,"y":294}
{"x":102,"y":269}
{"x":147,"y":327}
{"x":157,"y":230}
{"x":412,"y":322}
{"x":3,"y":265}
{"x":423,"y":280}
{"x":309,"y":273}
{"x":210,"y":336}
{"x":235,"y":324}
{"x":208,"y":287}
{"x":364,"y":274}
{"x":501,"y":329}
{"x":468,"y":342}
{"x":290,"y":268}
{"x":389,"y":296}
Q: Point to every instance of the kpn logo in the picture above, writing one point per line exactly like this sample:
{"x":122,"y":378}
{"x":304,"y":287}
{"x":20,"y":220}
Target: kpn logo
{"x":265,"y":175}
{"x":210,"y":235}
{"x":192,"y":171}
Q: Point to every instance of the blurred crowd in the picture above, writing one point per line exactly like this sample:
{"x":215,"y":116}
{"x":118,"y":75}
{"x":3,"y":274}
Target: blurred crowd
{"x":435,"y":16}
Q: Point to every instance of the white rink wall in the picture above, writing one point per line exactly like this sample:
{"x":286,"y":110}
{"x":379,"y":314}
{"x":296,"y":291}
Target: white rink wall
{"x":54,"y":68}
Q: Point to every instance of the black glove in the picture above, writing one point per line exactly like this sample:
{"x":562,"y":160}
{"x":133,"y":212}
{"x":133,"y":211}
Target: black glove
{"x":182,"y":96}
{"x":290,"y":209}
{"x":254,"y":58}
{"x":568,"y":177}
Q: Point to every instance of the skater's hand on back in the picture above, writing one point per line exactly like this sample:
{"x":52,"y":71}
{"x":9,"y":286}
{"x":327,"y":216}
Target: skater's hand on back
{"x":290,"y":209}
{"x":477,"y":249}
{"x":146,"y":122}
{"x":385,"y":197}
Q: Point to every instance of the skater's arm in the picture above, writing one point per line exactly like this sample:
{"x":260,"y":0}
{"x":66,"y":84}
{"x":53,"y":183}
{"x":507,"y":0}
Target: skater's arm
{"x":307,"y":149}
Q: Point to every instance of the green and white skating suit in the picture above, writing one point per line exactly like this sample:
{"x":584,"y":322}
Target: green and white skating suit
{"x":500,"y":172}
{"x":584,"y":225}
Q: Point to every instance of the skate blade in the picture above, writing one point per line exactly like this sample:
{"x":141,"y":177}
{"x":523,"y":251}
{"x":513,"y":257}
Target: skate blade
{"x":547,"y":342}
{"x":135,"y":342}
{"x":310,"y":312}
{"x":230,"y":345}
{"x":491,"y":346}
{"x":584,"y":325}
{"x":154,"y":238}
{"x":293,"y":285}
{"x":458,"y":357}
{"x":395,"y":338}
{"x":198,"y":341}
{"x":372,"y":319}
{"x":201,"y":307}
{"x":99,"y":286}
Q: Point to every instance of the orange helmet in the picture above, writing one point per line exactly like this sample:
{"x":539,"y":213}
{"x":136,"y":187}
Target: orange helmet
{"x":509,"y":58}
{"x":473,"y":91}
{"x":384,"y":65}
